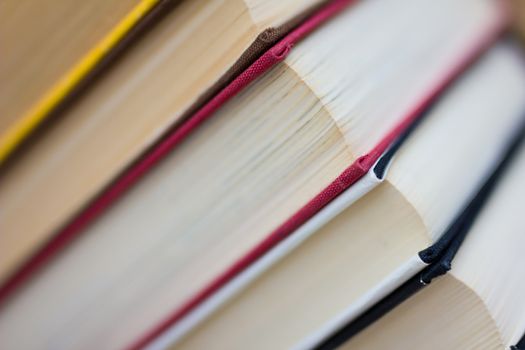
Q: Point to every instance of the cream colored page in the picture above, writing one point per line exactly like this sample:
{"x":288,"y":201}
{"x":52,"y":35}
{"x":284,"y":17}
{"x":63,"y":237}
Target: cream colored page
{"x":491,"y":258}
{"x":268,"y":13}
{"x":370,"y":66}
{"x":445,"y":315}
{"x":485,"y":106}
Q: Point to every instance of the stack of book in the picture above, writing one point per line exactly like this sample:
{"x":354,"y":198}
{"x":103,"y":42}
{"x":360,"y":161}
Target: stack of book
{"x":249,"y":174}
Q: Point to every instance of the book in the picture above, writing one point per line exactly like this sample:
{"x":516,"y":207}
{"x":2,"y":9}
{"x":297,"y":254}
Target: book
{"x":110,"y":125}
{"x":368,"y":249}
{"x":256,"y":162}
{"x":484,"y":285}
